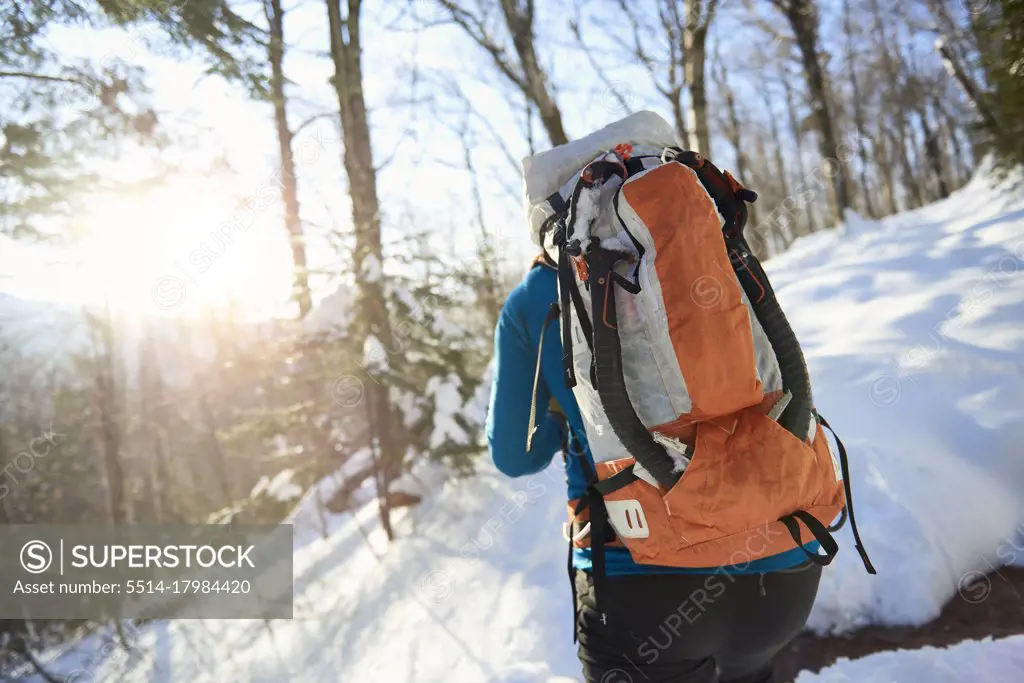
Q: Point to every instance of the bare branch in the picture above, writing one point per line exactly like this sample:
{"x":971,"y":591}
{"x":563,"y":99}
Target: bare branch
{"x":474,"y":27}
{"x":41,"y":77}
{"x":577,"y":32}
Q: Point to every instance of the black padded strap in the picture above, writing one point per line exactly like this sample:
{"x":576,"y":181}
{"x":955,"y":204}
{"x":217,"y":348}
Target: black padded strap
{"x":845,"y":465}
{"x":616,"y":481}
{"x":569,"y":294}
{"x":841,"y":523}
{"x":557,"y":202}
{"x":565,"y":285}
{"x":598,"y":529}
{"x":795,"y":378}
{"x":572,"y":587}
{"x":818,"y":530}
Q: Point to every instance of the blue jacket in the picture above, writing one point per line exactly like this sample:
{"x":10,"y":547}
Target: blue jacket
{"x":516,"y":341}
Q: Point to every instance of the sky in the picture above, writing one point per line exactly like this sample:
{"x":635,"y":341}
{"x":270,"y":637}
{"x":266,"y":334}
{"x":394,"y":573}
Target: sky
{"x":195,"y":242}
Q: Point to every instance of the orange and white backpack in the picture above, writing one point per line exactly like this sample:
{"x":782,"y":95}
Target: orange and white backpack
{"x":693,"y":389}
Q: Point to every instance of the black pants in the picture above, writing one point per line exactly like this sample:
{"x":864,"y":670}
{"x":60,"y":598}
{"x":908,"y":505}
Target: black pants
{"x":690,"y":628}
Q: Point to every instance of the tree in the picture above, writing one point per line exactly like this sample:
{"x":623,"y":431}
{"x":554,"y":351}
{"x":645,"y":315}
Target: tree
{"x":107,"y":394}
{"x":346,"y":55}
{"x":684,"y":26}
{"x":57,"y":118}
{"x":698,"y":15}
{"x":524,"y":71}
{"x":802,"y":16}
{"x":999,"y":38}
{"x":289,"y":182}
{"x":859,"y":120}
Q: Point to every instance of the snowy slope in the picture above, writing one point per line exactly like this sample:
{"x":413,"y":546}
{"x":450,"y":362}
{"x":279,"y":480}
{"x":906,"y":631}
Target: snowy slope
{"x":985,"y":661}
{"x":474,"y":591}
{"x":912,"y":330}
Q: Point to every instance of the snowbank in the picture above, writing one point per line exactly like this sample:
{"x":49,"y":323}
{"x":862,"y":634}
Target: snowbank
{"x":911,"y":328}
{"x":972,"y":661}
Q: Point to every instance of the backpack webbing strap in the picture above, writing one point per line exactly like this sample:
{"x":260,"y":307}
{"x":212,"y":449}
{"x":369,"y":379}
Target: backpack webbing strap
{"x":572,"y":587}
{"x":611,"y":385}
{"x":845,"y":465}
{"x":531,"y":427}
{"x":792,"y":367}
{"x":569,"y":294}
{"x":598,"y":529}
{"x":818,"y":530}
{"x":557,"y":202}
{"x":591,"y":476}
{"x":841,"y":523}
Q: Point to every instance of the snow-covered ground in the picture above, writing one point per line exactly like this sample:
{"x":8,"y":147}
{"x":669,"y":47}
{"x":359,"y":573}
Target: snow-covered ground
{"x":914,"y":332}
{"x":973,"y":661}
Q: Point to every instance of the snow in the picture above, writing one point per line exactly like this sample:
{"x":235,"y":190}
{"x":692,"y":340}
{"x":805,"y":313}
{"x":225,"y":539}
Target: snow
{"x":310,"y":519}
{"x":333,"y":315}
{"x":371,"y":269}
{"x":425,"y":477}
{"x":280,"y":488}
{"x":402,"y":293}
{"x":447,"y":404}
{"x":911,"y":329}
{"x":407,"y":405}
{"x":375,"y":355}
{"x":973,"y":661}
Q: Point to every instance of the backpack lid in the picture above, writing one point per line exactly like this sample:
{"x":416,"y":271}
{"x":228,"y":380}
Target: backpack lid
{"x":547,"y":172}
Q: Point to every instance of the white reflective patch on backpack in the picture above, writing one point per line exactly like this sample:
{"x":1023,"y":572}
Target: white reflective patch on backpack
{"x":836,"y":468}
{"x":627,"y":518}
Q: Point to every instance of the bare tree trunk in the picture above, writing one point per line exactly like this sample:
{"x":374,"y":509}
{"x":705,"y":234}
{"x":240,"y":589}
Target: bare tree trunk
{"x":956,"y":45}
{"x":968,"y":85}
{"x":154,"y":425}
{"x":884,"y":163}
{"x":858,"y":113}
{"x":679,"y":116}
{"x":797,"y":133}
{"x":5,"y":517}
{"x":698,"y":21}
{"x":289,"y":182}
{"x":957,"y":162}
{"x":733,"y":132}
{"x":933,"y":153}
{"x":490,"y":295}
{"x":909,"y":178}
{"x":217,"y":453}
{"x":892,"y":71}
{"x":346,"y":54}
{"x":107,"y":408}
{"x":803,"y":18}
{"x":781,"y":172}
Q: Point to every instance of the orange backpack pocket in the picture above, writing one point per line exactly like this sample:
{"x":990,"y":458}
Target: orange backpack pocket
{"x":746,"y":472}
{"x":640,"y":518}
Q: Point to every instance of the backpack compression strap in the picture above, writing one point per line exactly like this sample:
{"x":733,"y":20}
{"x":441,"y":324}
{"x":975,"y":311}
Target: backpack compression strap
{"x":611,"y":385}
{"x":845,"y":465}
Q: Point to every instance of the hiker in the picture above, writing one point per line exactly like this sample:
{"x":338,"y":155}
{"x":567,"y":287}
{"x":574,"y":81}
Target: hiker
{"x":694,"y":458}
